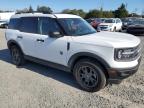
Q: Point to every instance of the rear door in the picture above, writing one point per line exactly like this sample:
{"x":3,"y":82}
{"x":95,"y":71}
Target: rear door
{"x":27,"y":35}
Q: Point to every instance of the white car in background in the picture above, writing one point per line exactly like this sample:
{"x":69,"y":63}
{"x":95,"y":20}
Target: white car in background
{"x":2,"y":22}
{"x":5,"y":17}
{"x":111,"y":24}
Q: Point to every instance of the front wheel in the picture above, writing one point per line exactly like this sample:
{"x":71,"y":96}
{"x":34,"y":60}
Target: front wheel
{"x":89,"y":75}
{"x":114,"y":30}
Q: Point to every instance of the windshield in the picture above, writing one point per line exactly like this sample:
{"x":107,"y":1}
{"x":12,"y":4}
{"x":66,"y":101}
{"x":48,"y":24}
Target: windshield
{"x":89,"y":20}
{"x":141,"y":22}
{"x":109,"y":21}
{"x":126,"y":20}
{"x":76,"y":26}
{"x":98,"y":20}
{"x":103,"y":19}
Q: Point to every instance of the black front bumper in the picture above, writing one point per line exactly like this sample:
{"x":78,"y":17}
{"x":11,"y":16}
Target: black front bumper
{"x":117,"y":75}
{"x":124,"y":27}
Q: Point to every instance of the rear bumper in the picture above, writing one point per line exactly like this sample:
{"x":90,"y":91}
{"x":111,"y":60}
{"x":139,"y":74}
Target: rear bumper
{"x":117,"y":75}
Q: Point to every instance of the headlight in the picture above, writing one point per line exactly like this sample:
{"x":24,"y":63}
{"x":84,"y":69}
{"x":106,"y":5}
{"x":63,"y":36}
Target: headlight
{"x":126,"y":54}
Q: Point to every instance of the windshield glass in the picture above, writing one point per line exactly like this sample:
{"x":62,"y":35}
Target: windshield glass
{"x":76,"y":26}
{"x":98,"y":20}
{"x":89,"y":20}
{"x":103,"y":19}
{"x":109,"y":21}
{"x":126,"y":20}
{"x":141,"y":22}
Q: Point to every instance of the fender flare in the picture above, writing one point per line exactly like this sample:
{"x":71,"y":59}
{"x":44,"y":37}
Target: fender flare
{"x":14,"y":42}
{"x":74,"y":57}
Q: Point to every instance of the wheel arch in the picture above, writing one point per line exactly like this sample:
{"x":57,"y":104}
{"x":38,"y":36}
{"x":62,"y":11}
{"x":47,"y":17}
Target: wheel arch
{"x":82,"y":55}
{"x":13,"y":42}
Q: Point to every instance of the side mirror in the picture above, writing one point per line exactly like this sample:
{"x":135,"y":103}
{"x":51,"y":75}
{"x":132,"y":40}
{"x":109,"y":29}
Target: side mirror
{"x":56,"y":34}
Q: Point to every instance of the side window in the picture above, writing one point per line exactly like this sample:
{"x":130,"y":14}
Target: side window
{"x":29,"y":24}
{"x":46,"y":25}
{"x":13,"y":24}
{"x":118,"y":21}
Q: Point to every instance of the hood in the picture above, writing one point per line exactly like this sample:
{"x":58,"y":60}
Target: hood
{"x":109,"y":39}
{"x":137,"y":25}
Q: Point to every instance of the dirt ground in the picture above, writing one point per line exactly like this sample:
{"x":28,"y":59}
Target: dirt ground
{"x":37,"y":86}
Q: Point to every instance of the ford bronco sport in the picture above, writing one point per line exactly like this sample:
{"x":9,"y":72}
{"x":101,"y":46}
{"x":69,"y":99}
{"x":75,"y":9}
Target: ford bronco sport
{"x":69,"y":43}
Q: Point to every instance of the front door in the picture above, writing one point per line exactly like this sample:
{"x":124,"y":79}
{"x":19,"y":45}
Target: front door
{"x":49,"y":48}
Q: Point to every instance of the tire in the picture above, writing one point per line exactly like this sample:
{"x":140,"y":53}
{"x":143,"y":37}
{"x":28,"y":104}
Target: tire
{"x":17,"y":56}
{"x":114,"y":30}
{"x":89,"y":75}
{"x":120,"y":30}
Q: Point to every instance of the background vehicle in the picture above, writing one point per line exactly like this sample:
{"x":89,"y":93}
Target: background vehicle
{"x":94,"y":22}
{"x":137,"y":28}
{"x":4,"y":18}
{"x":89,"y":20}
{"x":126,"y":22}
{"x":69,"y":43}
{"x":111,"y":24}
{"x":4,"y":24}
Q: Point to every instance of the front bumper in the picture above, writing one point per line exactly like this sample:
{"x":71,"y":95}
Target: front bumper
{"x":105,"y":28}
{"x":124,"y":27}
{"x":117,"y":75}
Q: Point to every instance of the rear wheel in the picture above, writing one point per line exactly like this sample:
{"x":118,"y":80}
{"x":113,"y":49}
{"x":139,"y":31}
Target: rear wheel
{"x":17,"y":55}
{"x":89,"y":75}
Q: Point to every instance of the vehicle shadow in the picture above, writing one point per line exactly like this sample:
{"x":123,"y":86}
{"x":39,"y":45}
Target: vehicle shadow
{"x":64,"y":77}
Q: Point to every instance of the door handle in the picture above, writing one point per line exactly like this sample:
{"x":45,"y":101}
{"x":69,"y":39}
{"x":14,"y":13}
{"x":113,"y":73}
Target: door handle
{"x":19,"y":37}
{"x":40,"y":40}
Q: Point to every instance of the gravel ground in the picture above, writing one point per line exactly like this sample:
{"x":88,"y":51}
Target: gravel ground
{"x":37,"y":86}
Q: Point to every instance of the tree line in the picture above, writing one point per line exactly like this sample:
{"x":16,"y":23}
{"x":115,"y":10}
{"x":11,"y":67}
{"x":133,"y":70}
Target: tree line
{"x":120,"y":12}
{"x":43,"y":9}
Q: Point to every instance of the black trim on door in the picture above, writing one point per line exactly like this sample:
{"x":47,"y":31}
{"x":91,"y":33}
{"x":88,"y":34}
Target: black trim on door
{"x":48,"y":63}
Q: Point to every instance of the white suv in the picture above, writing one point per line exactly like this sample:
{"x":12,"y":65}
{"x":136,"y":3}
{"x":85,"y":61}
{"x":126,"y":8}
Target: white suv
{"x":112,"y":24}
{"x":68,"y":42}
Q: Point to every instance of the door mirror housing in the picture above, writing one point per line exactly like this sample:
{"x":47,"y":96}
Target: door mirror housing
{"x":55,"y":34}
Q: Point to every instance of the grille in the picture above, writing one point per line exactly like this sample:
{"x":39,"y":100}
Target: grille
{"x":136,"y":52}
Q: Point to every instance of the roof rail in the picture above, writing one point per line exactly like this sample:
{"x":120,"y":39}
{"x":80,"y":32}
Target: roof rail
{"x":34,"y":12}
{"x":54,"y":15}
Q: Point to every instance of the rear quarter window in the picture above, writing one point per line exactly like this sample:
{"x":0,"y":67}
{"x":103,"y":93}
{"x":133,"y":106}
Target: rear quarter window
{"x":13,"y":24}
